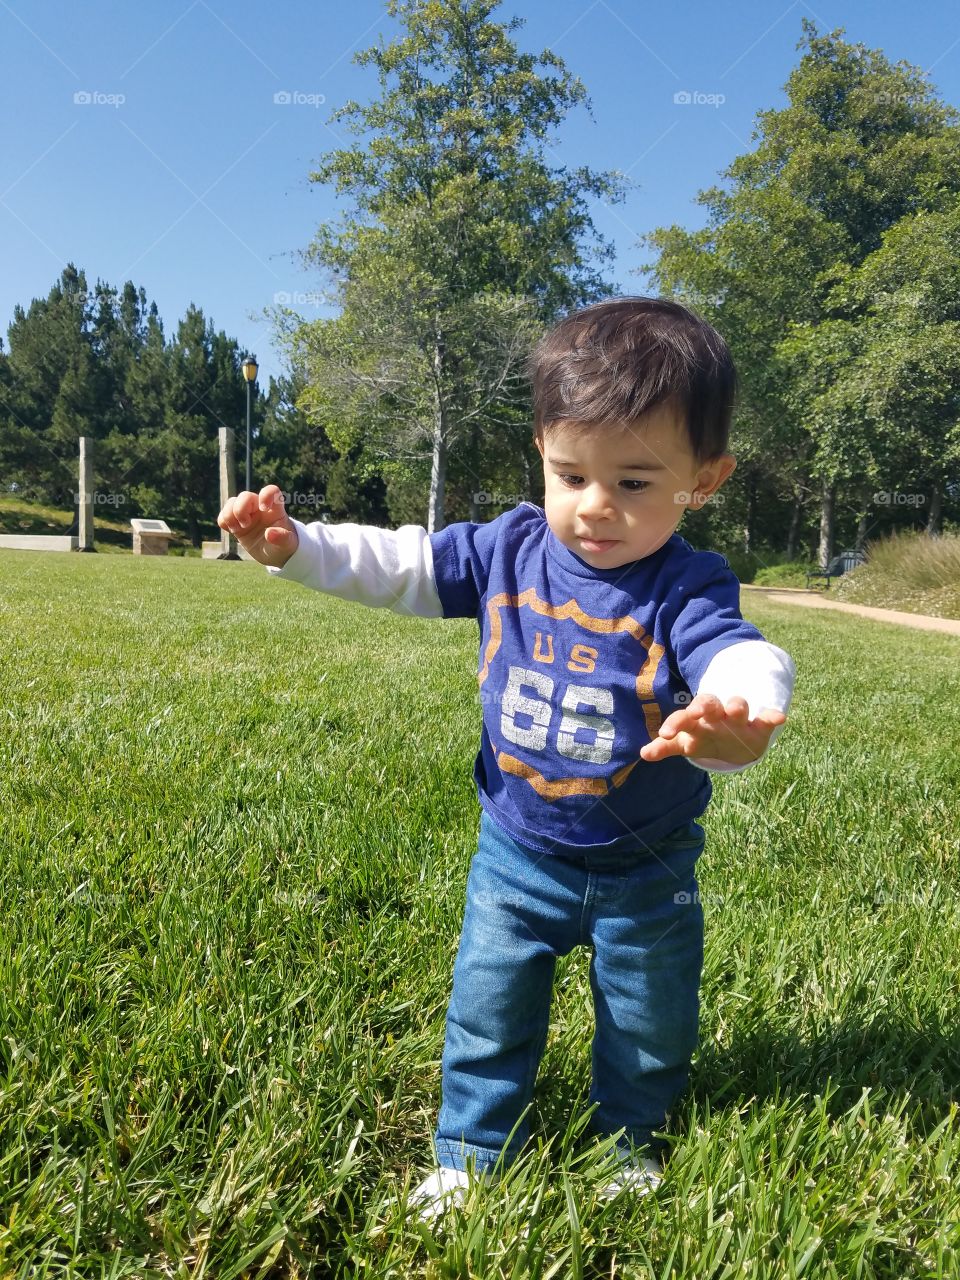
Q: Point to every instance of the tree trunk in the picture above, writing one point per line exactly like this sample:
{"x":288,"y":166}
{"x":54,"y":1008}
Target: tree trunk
{"x":935,"y":516}
{"x":864,"y":509}
{"x":751,"y":514}
{"x":438,"y":476}
{"x":794,"y":533}
{"x":861,"y":530}
{"x":475,"y":505}
{"x":827,"y":503}
{"x":438,"y":466}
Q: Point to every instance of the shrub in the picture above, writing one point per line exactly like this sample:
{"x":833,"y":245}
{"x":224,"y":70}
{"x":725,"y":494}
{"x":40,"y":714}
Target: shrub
{"x":915,"y":561}
{"x":789,"y":573}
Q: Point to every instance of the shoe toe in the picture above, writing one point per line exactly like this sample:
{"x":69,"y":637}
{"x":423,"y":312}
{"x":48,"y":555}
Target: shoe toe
{"x":439,"y":1192}
{"x":639,"y":1178}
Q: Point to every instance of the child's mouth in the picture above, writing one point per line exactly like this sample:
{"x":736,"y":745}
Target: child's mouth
{"x":590,"y":544}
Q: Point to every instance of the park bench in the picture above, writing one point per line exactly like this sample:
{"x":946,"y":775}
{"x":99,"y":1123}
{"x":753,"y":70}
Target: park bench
{"x":838,"y":566}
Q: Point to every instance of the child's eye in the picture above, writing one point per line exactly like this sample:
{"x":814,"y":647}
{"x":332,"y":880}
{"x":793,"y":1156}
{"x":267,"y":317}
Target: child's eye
{"x":634,"y":486}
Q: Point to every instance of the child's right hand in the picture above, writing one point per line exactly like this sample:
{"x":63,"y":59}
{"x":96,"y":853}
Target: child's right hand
{"x":260,"y":523}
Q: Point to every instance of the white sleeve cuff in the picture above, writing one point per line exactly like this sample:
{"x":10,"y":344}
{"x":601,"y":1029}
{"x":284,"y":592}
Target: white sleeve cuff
{"x":762,"y":673}
{"x":381,"y":568}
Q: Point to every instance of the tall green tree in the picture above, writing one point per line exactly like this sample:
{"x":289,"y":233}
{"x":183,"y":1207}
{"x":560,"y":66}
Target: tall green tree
{"x":880,"y":379}
{"x":298,"y":455}
{"x":861,"y":144}
{"x":205,"y":391}
{"x":51,"y":396}
{"x":461,"y":243}
{"x":96,"y":363}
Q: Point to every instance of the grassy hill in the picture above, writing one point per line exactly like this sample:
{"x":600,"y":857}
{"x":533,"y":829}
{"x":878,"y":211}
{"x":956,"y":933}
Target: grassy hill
{"x":111,"y":534}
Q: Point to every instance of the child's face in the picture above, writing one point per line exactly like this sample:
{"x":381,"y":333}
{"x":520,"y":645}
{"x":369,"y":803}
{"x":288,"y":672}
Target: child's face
{"x":616,"y":494}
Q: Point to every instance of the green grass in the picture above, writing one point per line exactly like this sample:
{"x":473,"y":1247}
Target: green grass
{"x":236,"y":819}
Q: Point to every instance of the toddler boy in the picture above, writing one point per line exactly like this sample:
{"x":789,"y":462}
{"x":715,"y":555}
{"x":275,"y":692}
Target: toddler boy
{"x":616,"y":673}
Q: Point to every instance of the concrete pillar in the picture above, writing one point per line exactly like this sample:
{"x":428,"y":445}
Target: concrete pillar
{"x":85,"y":540}
{"x":227,"y":490}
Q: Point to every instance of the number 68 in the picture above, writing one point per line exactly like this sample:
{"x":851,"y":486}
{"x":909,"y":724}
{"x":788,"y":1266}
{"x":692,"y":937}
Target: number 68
{"x":540,"y":711}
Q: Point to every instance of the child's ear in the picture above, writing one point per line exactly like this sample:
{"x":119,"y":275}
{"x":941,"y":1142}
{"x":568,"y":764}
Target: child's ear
{"x":717,"y":472}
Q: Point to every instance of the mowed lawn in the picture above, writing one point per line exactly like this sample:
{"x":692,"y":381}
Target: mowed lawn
{"x":236,"y":820}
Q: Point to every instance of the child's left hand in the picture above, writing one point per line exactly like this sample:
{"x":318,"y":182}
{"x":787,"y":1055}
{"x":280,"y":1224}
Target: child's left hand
{"x":706,"y":729}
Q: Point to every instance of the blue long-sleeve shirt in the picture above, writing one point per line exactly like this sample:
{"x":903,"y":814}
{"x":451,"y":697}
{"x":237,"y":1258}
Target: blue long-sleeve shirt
{"x":578,"y":669}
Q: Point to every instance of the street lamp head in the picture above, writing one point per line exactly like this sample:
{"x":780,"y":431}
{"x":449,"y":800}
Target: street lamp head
{"x":249,"y":368}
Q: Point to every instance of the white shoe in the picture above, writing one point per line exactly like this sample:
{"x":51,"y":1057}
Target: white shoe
{"x":640,"y":1177}
{"x":439,"y":1192}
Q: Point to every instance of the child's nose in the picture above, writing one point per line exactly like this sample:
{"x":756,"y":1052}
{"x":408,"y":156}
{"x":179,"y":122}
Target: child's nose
{"x":595,"y":500}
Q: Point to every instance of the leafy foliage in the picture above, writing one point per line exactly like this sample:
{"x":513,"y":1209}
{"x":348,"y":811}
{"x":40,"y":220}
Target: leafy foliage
{"x":461,"y":242}
{"x":805,"y":267}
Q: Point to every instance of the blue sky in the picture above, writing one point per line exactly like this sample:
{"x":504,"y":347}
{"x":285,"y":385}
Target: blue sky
{"x":182,"y":173}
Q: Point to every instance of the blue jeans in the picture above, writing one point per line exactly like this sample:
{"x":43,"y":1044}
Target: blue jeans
{"x":641,"y":915}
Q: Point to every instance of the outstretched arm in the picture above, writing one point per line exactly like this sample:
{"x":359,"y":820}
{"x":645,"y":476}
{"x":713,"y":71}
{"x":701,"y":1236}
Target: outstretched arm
{"x":381,"y":568}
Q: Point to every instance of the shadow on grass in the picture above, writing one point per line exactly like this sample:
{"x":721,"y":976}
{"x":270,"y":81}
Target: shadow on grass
{"x":888,"y":1056}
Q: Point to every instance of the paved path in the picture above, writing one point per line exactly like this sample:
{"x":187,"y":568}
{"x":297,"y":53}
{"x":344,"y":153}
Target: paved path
{"x":817,"y":600}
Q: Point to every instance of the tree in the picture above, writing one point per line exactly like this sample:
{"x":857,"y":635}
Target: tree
{"x":299,"y":456}
{"x":96,"y":363}
{"x":881,"y":378}
{"x":462,"y":242}
{"x":204,"y":392}
{"x":862,"y":144}
{"x":50,"y":399}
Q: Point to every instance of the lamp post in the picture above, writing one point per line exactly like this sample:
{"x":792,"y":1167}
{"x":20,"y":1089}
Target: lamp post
{"x":249,"y":368}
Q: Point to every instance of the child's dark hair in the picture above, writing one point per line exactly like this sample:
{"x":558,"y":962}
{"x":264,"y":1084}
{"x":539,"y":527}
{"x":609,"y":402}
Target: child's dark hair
{"x":613,"y":361}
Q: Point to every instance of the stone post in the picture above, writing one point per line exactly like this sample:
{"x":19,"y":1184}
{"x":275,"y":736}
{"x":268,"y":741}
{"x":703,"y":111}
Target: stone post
{"x":85,"y":540}
{"x":227,"y":490}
